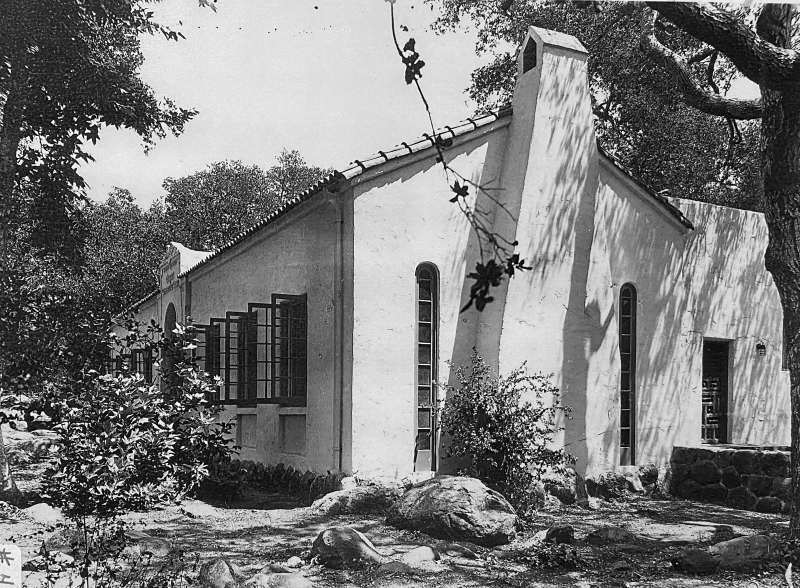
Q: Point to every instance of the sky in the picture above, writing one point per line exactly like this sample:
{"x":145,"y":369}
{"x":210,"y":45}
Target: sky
{"x":319,"y":76}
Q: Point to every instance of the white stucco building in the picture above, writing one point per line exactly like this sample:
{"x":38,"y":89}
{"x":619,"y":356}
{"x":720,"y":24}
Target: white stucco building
{"x":330,"y":319}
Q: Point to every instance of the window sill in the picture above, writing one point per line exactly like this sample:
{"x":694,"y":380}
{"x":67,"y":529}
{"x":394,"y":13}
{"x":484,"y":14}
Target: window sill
{"x":292,"y":410}
{"x":252,"y":403}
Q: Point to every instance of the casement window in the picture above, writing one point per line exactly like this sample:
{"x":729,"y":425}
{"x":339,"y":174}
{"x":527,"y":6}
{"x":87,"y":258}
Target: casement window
{"x":261,"y":354}
{"x":142,"y":363}
{"x":627,"y":387}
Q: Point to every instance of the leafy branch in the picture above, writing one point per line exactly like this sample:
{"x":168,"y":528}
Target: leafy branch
{"x":502,"y":260}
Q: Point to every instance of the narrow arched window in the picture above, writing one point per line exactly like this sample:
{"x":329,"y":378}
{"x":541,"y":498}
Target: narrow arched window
{"x":426,"y":352}
{"x":627,"y":386}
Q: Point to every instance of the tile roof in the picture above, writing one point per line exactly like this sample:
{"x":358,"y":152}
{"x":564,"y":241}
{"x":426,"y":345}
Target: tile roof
{"x":358,"y":167}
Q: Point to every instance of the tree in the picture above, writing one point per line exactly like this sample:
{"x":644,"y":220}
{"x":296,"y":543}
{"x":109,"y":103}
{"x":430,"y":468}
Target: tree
{"x":208,"y":208}
{"x":123,"y":248}
{"x":68,"y":68}
{"x":760,"y":49}
{"x":640,"y":119}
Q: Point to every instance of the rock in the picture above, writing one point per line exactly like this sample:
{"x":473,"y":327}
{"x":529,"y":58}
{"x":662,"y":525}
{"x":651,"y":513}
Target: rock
{"x":633,"y":482}
{"x":610,"y":534}
{"x":559,"y":534}
{"x":219,"y":573}
{"x":769,"y":504}
{"x":456,"y":550}
{"x":276,"y":568}
{"x":420,"y":554}
{"x":760,"y":485}
{"x":66,"y":540}
{"x":695,"y":561}
{"x":359,"y":500}
{"x":620,"y":566}
{"x":551,"y":503}
{"x":589,"y":503}
{"x":294,"y":562}
{"x":140,"y":544}
{"x":55,"y":562}
{"x":338,"y":547}
{"x":43,"y":513}
{"x":455,"y":507}
{"x":348,"y":483}
{"x":18,"y":440}
{"x":393,"y":568}
{"x":195,"y":509}
{"x":742,"y":552}
{"x":279,"y":580}
{"x":563,"y":486}
{"x":276,"y":580}
{"x":705,"y":472}
{"x":537,"y":539}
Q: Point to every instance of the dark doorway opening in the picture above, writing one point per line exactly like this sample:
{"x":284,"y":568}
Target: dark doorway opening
{"x":715,"y":391}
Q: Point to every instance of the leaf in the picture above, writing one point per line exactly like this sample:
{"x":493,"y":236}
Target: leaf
{"x":409,"y":46}
{"x":460,"y":190}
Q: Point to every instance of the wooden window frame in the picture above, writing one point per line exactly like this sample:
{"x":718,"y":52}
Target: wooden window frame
{"x":279,"y":345}
{"x":428,"y":406}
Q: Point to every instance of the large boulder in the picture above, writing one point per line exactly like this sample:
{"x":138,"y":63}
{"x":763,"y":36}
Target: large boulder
{"x":339,"y":547}
{"x":455,"y":507}
{"x":742,"y":553}
{"x":358,"y":500}
{"x":219,"y":573}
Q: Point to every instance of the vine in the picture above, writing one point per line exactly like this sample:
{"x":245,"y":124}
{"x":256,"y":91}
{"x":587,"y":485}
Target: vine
{"x":503,"y":261}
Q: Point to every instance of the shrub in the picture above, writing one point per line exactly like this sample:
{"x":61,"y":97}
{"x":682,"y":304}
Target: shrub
{"x":129,"y":444}
{"x":504,"y":441}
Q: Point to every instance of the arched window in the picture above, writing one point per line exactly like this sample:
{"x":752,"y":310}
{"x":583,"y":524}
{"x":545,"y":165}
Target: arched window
{"x":426,"y":352}
{"x":627,"y":385}
{"x":170,"y":320}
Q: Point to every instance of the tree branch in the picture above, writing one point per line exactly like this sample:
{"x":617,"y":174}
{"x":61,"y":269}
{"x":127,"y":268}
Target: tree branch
{"x":693,"y":93}
{"x":704,"y":54}
{"x":758,"y":59}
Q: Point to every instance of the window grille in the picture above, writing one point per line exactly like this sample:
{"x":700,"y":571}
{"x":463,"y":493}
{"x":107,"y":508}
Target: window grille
{"x":425,"y":358}
{"x":627,"y":353}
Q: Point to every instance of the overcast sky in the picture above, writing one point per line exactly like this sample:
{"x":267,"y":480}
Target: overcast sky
{"x":319,"y":76}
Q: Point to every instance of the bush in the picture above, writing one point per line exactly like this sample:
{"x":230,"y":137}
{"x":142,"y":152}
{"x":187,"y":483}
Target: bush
{"x":129,"y":444}
{"x":504,"y":441}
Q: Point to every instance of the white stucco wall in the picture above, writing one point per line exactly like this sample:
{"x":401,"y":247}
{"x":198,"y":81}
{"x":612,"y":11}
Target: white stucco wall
{"x":296,"y":254}
{"x":403,"y":218}
{"x":709,"y":282}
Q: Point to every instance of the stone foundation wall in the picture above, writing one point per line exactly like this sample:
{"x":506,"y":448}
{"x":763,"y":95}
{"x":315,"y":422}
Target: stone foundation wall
{"x":745,"y":478}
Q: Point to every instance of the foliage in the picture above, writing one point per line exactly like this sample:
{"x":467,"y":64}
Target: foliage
{"x":553,"y":555}
{"x":123,"y":248}
{"x":639,"y":117}
{"x":504,"y":439}
{"x":129,"y":444}
{"x":67,"y":69}
{"x":103,"y":557}
{"x":208,"y":208}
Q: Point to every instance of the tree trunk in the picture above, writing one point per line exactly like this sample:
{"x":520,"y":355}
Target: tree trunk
{"x":8,"y":487}
{"x":780,"y":146}
{"x":11,"y":119}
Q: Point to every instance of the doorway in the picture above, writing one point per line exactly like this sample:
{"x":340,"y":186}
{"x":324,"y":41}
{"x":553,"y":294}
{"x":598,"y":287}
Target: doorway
{"x":715,"y":391}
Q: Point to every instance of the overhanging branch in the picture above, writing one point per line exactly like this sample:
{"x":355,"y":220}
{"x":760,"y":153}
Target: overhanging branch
{"x":758,"y":59}
{"x":693,"y":93}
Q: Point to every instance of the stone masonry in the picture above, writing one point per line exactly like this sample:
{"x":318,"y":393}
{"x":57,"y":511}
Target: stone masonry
{"x":745,"y":478}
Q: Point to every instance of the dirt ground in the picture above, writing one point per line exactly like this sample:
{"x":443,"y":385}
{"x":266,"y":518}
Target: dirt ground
{"x":263,"y":528}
